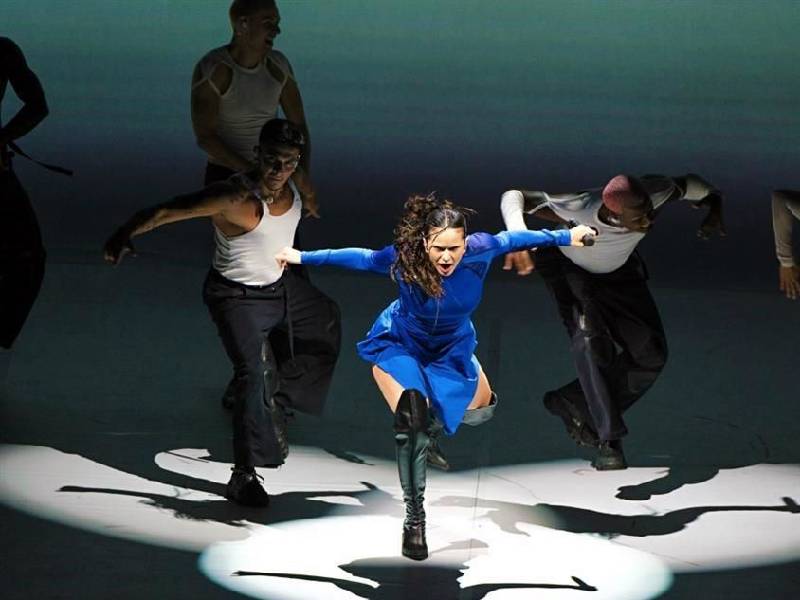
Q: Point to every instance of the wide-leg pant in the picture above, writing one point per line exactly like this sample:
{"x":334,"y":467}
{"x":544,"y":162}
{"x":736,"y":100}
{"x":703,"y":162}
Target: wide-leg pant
{"x":303,"y":327}
{"x":617,"y":338}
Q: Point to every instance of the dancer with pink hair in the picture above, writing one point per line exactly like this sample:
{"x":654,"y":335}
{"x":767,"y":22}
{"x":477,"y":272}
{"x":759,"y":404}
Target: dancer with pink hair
{"x":617,"y":338}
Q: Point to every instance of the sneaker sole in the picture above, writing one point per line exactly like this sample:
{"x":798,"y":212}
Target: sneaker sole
{"x":609,"y":466}
{"x":577,"y":430}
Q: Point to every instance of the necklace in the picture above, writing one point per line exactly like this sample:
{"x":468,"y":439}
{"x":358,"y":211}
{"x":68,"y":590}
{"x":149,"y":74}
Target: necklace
{"x":269,"y":197}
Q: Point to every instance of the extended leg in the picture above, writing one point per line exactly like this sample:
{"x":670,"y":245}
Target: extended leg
{"x":569,"y":401}
{"x":243,"y":318}
{"x":411,"y":421}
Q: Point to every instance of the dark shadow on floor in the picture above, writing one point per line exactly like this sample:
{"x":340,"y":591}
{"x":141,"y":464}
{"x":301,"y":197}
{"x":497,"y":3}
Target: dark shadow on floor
{"x":289,"y":506}
{"x":674,"y":479}
{"x":409,"y":581}
{"x":506,"y":515}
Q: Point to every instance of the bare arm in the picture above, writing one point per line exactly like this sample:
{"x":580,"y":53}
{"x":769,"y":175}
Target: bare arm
{"x":292,"y":105}
{"x":785,"y":205}
{"x":28,"y":89}
{"x":216,"y":199}
{"x":205,"y":112}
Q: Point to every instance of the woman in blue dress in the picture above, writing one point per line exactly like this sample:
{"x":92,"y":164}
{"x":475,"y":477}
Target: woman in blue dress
{"x":422,"y":345}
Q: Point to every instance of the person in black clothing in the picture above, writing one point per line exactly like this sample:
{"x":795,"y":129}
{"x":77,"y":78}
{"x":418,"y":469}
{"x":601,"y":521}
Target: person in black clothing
{"x":249,"y":296}
{"x":22,"y":255}
{"x":617,"y":338}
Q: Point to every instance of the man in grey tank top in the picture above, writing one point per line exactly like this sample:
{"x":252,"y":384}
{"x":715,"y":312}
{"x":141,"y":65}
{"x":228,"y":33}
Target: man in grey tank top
{"x":249,"y":298}
{"x":238,"y":87}
{"x":618,"y":341}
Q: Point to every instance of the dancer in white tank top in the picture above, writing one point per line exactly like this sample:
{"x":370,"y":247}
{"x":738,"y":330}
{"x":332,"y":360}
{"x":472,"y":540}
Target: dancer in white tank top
{"x":255,"y":214}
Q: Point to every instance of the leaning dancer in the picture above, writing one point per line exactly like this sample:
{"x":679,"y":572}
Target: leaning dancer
{"x":421,"y":346}
{"x":618,"y":342}
{"x":255,"y":214}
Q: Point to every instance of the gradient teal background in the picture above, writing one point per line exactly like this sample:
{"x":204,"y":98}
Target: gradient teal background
{"x":466,"y":96}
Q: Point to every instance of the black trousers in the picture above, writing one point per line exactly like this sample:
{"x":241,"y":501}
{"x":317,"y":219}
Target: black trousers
{"x":303,"y":328}
{"x":22,"y":257}
{"x":617,"y":338}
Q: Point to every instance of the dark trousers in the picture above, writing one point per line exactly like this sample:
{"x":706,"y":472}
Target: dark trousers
{"x":303,"y":327}
{"x":22,"y":257}
{"x":617,"y":338}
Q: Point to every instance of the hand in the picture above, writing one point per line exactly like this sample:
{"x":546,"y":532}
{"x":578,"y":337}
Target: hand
{"x":712,"y":223}
{"x":522,"y":261}
{"x":288,"y":256}
{"x":310,"y":205}
{"x":307,"y":193}
{"x":117,"y":246}
{"x":789,"y":278}
{"x":579,"y":233}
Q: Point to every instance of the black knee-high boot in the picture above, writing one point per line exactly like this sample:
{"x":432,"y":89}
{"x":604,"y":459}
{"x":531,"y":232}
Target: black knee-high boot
{"x":411,"y":436}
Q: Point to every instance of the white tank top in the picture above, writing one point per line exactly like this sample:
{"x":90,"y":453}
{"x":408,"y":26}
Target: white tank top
{"x":249,"y":258}
{"x":251,"y":100}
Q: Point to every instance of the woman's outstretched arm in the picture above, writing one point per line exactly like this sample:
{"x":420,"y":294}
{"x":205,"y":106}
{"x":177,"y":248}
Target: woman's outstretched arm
{"x":512,"y":241}
{"x":359,"y":259}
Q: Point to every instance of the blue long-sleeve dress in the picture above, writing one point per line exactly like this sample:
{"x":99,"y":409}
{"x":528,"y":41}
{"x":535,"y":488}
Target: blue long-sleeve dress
{"x":429,"y":343}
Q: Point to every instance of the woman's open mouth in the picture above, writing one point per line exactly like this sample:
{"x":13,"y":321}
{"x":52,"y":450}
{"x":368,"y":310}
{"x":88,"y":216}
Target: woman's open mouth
{"x":445,"y":269}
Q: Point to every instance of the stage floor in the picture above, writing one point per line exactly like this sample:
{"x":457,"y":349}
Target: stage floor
{"x":116,"y":450}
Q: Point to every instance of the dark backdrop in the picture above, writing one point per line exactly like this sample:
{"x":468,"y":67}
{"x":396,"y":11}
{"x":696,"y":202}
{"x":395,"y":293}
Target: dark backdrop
{"x":464,"y":96}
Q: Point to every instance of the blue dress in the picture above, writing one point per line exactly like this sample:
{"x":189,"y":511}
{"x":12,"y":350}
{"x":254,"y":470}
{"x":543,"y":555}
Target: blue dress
{"x":429,"y":343}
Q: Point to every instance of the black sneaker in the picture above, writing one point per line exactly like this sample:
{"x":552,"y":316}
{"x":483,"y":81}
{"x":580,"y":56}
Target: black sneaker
{"x":244,"y":488}
{"x":577,"y":427}
{"x":609,"y":456}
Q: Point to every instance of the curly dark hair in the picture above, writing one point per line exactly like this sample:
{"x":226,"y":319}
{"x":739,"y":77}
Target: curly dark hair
{"x":421,"y":213}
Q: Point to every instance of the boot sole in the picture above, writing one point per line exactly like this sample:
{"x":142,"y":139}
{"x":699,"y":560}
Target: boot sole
{"x":413,"y":556}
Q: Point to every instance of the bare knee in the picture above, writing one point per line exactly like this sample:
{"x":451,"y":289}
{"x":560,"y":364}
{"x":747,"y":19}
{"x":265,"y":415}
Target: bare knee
{"x":483,"y":394}
{"x":388,"y":386}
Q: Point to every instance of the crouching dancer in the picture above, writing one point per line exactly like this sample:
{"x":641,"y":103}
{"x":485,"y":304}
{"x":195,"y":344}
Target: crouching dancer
{"x":618,"y":343}
{"x":249,"y":296}
{"x":422,"y":345}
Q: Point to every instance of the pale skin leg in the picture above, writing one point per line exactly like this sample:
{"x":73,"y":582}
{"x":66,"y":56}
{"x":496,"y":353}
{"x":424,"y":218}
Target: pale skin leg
{"x":391,"y":390}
